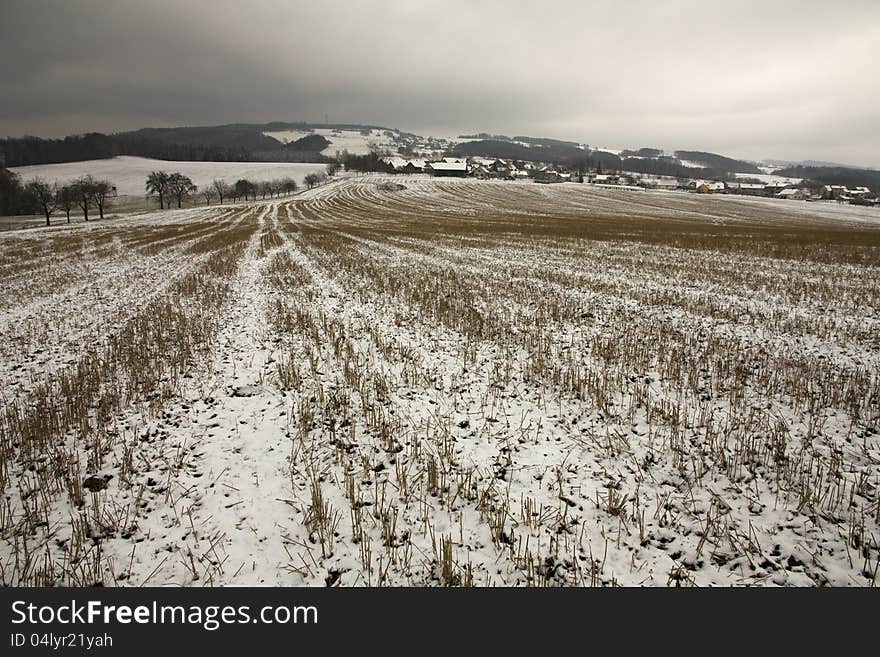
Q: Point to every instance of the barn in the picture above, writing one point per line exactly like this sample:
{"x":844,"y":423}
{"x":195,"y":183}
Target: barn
{"x":447,"y":169}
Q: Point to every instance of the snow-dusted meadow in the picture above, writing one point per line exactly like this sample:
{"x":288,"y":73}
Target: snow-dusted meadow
{"x":129,"y":173}
{"x":355,"y":142}
{"x":455,"y":383}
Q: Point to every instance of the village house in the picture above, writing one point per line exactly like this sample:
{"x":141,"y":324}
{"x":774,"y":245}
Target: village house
{"x":480,"y":171}
{"x":792,"y":194}
{"x":858,"y":192}
{"x":501,"y":169}
{"x":843,"y":193}
{"x":834,"y":191}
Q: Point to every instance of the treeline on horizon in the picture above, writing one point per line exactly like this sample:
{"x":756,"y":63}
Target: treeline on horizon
{"x":220,"y":144}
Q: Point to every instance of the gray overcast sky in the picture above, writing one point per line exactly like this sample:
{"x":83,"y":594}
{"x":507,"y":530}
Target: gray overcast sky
{"x":790,"y":80}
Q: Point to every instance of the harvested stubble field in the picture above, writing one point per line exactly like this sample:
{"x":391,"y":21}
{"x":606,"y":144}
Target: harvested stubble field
{"x":455,"y":383}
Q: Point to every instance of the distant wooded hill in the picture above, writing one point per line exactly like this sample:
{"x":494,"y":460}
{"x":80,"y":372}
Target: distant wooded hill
{"x":836,"y":176}
{"x":239,"y":142}
{"x":644,"y":160}
{"x":715,"y":161}
{"x":543,"y":151}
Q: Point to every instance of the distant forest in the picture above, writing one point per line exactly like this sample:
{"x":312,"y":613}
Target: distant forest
{"x":713,"y":161}
{"x":551,"y":152}
{"x":836,"y":176}
{"x":229,"y":143}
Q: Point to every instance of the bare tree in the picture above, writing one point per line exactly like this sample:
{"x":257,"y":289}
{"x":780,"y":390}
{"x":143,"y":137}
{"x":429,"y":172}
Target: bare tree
{"x":44,"y":196}
{"x":157,"y":185}
{"x":221,"y":188}
{"x":181,"y":186}
{"x":332,"y":169}
{"x":83,"y":189}
{"x":11,"y":191}
{"x":265,"y":187}
{"x":287,"y":185}
{"x":66,"y":199}
{"x":209,"y":195}
{"x":311,"y":180}
{"x":102,"y":191}
{"x":241,"y":188}
{"x":245,"y":188}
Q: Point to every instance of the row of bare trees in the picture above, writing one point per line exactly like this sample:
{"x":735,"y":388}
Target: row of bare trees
{"x":88,"y":193}
{"x":83,"y":193}
{"x":167,"y":187}
{"x":250,"y":189}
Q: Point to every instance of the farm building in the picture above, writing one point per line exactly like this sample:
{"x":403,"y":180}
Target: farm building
{"x":401,"y":165}
{"x":449,"y":169}
{"x":773,"y":188}
{"x":752,"y":189}
{"x":659,"y":183}
{"x":746,"y":189}
{"x":706,"y":187}
{"x":414,"y":166}
{"x":396,"y":163}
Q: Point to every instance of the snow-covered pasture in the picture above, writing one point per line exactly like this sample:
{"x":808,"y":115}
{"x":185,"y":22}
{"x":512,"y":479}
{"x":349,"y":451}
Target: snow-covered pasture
{"x":130,"y":173}
{"x":770,"y":179}
{"x":352,"y":141}
{"x":459,"y":382}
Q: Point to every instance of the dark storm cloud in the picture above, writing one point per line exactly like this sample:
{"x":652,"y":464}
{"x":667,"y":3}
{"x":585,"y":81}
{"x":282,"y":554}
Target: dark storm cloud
{"x":752,"y":79}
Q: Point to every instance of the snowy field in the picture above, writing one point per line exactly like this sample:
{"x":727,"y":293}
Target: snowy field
{"x":340,"y":140}
{"x":770,"y":179}
{"x":455,"y":383}
{"x":130,"y":173}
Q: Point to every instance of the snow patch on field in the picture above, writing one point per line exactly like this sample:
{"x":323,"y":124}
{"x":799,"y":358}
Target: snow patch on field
{"x":769,"y":179}
{"x":355,"y":142}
